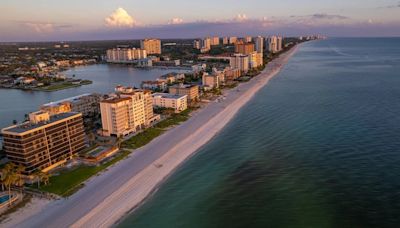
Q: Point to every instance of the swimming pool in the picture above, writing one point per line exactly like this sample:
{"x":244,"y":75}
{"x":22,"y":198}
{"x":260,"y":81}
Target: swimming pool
{"x":4,"y":198}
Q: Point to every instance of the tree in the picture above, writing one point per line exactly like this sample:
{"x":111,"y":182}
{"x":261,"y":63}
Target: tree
{"x":15,"y":122}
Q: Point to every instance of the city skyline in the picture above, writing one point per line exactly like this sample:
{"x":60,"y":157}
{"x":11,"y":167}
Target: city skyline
{"x":58,"y":21}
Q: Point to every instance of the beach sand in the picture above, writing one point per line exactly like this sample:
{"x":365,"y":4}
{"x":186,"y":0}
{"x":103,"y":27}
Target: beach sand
{"x":106,"y":198}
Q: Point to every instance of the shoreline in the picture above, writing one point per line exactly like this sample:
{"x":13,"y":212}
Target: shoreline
{"x":109,"y":197}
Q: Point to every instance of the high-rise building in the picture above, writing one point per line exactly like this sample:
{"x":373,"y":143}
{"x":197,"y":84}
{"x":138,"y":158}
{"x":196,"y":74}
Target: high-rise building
{"x":240,"y":62}
{"x":120,"y":55}
{"x":255,"y":59}
{"x":260,"y":44}
{"x":248,"y":39}
{"x":275,"y":44}
{"x":215,"y":41}
{"x":141,"y":103}
{"x":152,"y":46}
{"x":197,"y":44}
{"x":232,"y":40}
{"x":117,"y":116}
{"x":244,"y":48}
{"x":45,"y":141}
{"x":225,"y":40}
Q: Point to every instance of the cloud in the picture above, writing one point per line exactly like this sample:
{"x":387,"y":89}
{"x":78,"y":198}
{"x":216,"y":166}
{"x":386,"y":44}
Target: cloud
{"x":43,"y":27}
{"x":121,"y":19}
{"x":391,"y":6}
{"x":241,"y":18}
{"x":328,"y":16}
{"x":175,"y":21}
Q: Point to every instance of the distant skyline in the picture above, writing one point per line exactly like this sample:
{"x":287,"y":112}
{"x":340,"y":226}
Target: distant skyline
{"x":45,"y":20}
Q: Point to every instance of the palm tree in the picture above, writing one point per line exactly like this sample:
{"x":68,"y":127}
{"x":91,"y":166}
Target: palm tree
{"x":45,"y":177}
{"x":119,"y":141}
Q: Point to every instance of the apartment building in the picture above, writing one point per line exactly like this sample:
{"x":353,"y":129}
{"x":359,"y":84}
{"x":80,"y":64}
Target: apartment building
{"x":255,"y":59}
{"x":166,"y":100}
{"x":152,"y":46}
{"x":244,"y":48}
{"x":121,"y":55}
{"x":259,"y":44}
{"x":240,"y":61}
{"x":117,"y":117}
{"x":44,"y":142}
{"x":87,"y":104}
{"x":210,"y":81}
{"x":192,"y":91}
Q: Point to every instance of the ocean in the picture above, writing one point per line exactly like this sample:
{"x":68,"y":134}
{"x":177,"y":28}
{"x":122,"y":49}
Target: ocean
{"x":319,"y":146}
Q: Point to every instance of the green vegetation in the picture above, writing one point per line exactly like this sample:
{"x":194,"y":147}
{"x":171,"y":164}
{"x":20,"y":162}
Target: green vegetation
{"x":142,"y":138}
{"x":149,"y":134}
{"x":70,"y":181}
{"x":64,"y":85}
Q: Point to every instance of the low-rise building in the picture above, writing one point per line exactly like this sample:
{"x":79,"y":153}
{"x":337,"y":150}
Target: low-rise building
{"x":87,"y":104}
{"x":45,"y":141}
{"x":166,"y":100}
{"x":154,"y":85}
{"x":172,"y":77}
{"x":192,"y":91}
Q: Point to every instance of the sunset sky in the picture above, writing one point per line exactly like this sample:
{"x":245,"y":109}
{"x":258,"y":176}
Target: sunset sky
{"x":43,"y":20}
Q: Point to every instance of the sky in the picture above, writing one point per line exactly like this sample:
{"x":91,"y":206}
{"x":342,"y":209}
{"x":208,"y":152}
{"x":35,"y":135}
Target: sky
{"x":56,"y":20}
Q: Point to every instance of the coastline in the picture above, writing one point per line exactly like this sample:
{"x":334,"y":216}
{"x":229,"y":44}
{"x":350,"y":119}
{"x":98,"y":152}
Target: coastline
{"x":116,"y":200}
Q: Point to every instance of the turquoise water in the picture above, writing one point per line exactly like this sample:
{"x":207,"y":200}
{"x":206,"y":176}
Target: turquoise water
{"x":319,"y":146}
{"x":4,"y":199}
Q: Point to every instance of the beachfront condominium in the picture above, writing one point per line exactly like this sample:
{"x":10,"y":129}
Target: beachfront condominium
{"x":255,"y":59}
{"x":274,"y":44}
{"x":87,"y":104}
{"x":210,"y":81}
{"x":165,"y":100}
{"x":248,"y":39}
{"x":117,"y":116}
{"x":214,"y":41}
{"x":122,"y":55}
{"x":244,"y":48}
{"x":225,"y":40}
{"x":192,"y":91}
{"x":259,"y":44}
{"x":44,"y":142}
{"x":232,"y":40}
{"x":142,"y":105}
{"x":152,"y":46}
{"x":240,"y":61}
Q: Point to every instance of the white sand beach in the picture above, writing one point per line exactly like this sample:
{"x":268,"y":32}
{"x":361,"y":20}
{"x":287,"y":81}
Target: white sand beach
{"x":106,"y":198}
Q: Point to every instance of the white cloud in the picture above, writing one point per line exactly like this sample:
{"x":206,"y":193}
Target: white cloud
{"x":40,"y":27}
{"x":175,"y":21}
{"x":120,"y":18}
{"x":241,"y":17}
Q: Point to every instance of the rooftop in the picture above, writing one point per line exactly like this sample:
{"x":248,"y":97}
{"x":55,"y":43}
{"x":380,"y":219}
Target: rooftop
{"x":70,"y":99}
{"x":115,"y":100}
{"x":168,"y":95}
{"x":27,"y":126}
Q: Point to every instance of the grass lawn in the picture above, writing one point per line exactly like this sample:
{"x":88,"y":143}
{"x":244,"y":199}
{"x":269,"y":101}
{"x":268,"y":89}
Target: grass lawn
{"x":56,"y":87}
{"x":149,"y":134}
{"x":69,"y":181}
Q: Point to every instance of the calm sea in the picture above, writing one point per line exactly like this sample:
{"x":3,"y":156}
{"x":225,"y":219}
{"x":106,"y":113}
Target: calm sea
{"x":319,"y":146}
{"x":16,"y":103}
